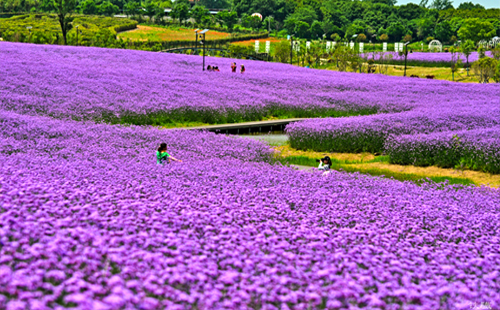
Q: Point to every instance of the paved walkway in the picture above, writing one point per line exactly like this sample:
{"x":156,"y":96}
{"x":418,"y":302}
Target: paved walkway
{"x":245,"y":125}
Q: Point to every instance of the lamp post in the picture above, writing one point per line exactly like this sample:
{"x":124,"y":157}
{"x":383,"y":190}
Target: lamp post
{"x":406,"y":54}
{"x":202,"y":42}
{"x":29,"y":37}
{"x":269,"y":24}
{"x":196,"y":39}
{"x":291,"y":49}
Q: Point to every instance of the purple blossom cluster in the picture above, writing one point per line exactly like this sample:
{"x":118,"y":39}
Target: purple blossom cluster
{"x":137,"y":87}
{"x":476,"y":149}
{"x":370,"y":133}
{"x":89,"y":220}
{"x":426,"y":56}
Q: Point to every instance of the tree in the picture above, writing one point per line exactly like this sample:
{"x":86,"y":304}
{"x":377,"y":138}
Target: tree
{"x":88,"y":7}
{"x":476,"y":29}
{"x":426,"y":27}
{"x":443,"y":31}
{"x":282,"y":51}
{"x":361,"y":37}
{"x":316,"y":29}
{"x":455,"y":61}
{"x":485,"y":69}
{"x":107,"y":8}
{"x":180,"y":11}
{"x":305,"y":14}
{"x":302,"y":29}
{"x":252,"y":22}
{"x":198,"y":12}
{"x":228,"y":18}
{"x":470,"y":6}
{"x":441,"y":5}
{"x":150,"y":10}
{"x":496,"y":77}
{"x":396,"y":31}
{"x":467,"y":48}
{"x":407,"y":38}
{"x":357,"y":27}
{"x":65,"y":9}
{"x":410,"y":11}
{"x":384,"y":37}
{"x":131,"y":8}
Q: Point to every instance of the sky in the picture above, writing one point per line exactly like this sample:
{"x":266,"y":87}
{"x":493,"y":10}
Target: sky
{"x":486,"y":3}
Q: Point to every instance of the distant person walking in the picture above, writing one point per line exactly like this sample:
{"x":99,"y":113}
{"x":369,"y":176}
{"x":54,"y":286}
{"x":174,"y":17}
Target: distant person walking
{"x":209,"y":68}
{"x":162,"y":156}
{"x":233,"y":67}
{"x":242,"y":68}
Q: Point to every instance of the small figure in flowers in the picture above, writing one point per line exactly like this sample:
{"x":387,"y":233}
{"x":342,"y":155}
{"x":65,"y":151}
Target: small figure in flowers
{"x":242,"y":68}
{"x":233,"y":67}
{"x":325,"y":164}
{"x":162,"y":156}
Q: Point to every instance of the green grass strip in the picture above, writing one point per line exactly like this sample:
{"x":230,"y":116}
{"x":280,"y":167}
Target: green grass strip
{"x":401,"y":176}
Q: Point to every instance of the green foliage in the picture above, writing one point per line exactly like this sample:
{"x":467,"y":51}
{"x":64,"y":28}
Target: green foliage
{"x":88,"y":7}
{"x":282,"y":51}
{"x":443,"y":31}
{"x":361,"y":37}
{"x":253,"y":22}
{"x":485,"y":69}
{"x":108,"y":9}
{"x":180,"y":11}
{"x":198,"y":12}
{"x":433,"y":18}
{"x":476,"y":30}
{"x":302,"y":29}
{"x":46,"y":29}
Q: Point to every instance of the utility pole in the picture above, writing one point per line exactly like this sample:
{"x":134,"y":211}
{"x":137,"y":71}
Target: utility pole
{"x":291,"y":49}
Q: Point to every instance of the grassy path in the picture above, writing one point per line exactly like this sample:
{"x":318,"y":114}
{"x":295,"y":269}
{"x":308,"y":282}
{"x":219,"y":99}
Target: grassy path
{"x":379,"y":166}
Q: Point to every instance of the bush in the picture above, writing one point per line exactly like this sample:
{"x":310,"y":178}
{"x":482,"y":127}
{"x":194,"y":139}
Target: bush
{"x":485,"y":69}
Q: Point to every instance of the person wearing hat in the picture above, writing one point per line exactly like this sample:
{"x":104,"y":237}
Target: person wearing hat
{"x":325,"y":163}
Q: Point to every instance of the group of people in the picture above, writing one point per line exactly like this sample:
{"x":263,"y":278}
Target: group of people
{"x":233,"y":68}
{"x":213,"y":68}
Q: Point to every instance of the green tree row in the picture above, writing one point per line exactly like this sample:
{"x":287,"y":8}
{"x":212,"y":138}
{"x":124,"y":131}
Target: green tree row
{"x":370,"y":20}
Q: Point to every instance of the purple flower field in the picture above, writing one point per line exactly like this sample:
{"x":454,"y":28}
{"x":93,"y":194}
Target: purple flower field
{"x":124,"y":86}
{"x":474,"y":149}
{"x":89,"y":220}
{"x":369,"y":133}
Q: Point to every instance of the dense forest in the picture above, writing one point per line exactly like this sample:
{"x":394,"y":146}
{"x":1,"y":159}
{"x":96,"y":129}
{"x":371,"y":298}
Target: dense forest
{"x":369,"y":20}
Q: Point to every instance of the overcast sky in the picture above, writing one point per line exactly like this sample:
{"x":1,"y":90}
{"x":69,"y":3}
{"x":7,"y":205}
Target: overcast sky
{"x":486,"y":3}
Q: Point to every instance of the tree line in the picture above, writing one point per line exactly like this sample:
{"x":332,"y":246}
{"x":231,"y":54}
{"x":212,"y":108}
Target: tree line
{"x":365,"y":20}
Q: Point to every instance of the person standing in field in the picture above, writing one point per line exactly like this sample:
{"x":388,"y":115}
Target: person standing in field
{"x":242,"y":68}
{"x":162,"y":156}
{"x":233,"y":67}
